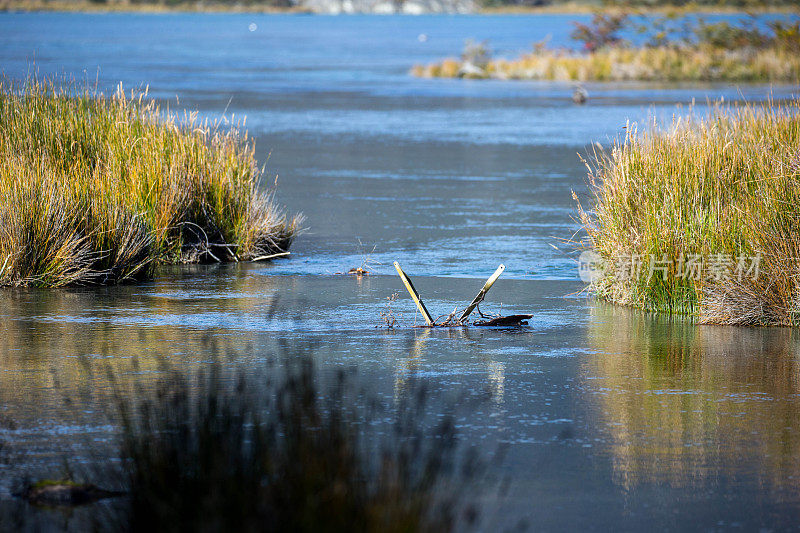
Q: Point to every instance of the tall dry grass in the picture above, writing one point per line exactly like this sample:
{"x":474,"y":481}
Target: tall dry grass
{"x":727,"y":186}
{"x":98,"y":189}
{"x":667,"y":48}
{"x":667,"y":63}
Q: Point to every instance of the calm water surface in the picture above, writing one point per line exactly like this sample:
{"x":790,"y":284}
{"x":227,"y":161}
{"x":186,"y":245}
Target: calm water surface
{"x":614,"y":419}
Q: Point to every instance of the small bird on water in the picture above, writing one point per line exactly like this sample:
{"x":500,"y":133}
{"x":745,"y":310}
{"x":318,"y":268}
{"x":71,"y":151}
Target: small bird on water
{"x":580,"y":95}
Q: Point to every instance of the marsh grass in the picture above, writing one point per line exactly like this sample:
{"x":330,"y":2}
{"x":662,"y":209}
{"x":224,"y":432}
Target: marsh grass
{"x":668,"y":49}
{"x":217,"y":452}
{"x":727,"y":185}
{"x":98,"y":189}
{"x":705,"y":63}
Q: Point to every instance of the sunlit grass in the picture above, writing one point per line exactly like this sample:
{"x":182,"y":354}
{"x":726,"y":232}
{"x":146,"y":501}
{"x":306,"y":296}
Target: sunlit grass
{"x":727,"y":186}
{"x":98,"y":189}
{"x":667,"y":63}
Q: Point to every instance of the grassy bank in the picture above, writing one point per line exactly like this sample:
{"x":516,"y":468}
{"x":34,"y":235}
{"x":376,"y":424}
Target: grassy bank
{"x":703,"y":219}
{"x":98,"y":190}
{"x":618,"y":64}
{"x":668,"y":49}
{"x":665,"y":8}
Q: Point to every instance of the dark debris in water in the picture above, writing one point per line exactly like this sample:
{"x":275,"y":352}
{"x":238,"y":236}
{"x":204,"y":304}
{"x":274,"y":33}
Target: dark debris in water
{"x":354,"y":272}
{"x":510,"y":320}
{"x":64,"y":493}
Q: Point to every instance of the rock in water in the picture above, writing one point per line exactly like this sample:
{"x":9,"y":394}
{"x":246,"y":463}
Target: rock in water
{"x":64,"y":493}
{"x":580,"y":95}
{"x":471,"y":70}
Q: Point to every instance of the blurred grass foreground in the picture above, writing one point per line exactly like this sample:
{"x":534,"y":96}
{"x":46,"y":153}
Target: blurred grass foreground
{"x":664,"y":49}
{"x":290,"y":446}
{"x":703,"y":219}
{"x":99,"y":189}
{"x":230,"y":453}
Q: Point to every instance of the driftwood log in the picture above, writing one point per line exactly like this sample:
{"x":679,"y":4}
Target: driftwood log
{"x":510,"y":320}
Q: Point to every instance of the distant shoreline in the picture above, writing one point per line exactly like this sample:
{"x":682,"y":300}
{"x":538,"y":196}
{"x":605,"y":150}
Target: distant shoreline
{"x":579,"y":8}
{"x":561,"y":9}
{"x":157,"y":9}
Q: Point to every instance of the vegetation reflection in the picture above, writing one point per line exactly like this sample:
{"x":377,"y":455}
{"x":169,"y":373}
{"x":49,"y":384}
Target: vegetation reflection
{"x":682,"y":404}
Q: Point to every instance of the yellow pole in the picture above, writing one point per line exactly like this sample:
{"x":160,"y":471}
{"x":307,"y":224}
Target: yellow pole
{"x":414,"y":294}
{"x":479,"y":298}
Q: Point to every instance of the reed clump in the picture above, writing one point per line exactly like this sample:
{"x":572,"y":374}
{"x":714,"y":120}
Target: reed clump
{"x":705,"y":63}
{"x":703,"y":219}
{"x":667,"y":50}
{"x":99,"y":189}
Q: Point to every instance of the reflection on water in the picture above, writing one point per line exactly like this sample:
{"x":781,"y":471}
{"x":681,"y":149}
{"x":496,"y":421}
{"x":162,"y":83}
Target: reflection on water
{"x":57,"y":348}
{"x":604,"y":410}
{"x":414,"y":365}
{"x":410,"y":366}
{"x":686,"y":405}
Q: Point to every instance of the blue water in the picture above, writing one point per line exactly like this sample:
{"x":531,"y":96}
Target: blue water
{"x":449,"y":177}
{"x":614,"y":420}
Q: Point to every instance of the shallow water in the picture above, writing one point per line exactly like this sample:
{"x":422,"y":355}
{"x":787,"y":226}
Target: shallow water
{"x":614,"y":419}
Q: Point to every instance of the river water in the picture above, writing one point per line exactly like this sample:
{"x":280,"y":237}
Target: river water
{"x":613,"y":419}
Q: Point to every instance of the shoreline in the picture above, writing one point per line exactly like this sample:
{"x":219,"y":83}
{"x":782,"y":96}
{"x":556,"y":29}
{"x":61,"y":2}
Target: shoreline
{"x":588,"y":9}
{"x":562,"y":9}
{"x":146,"y":9}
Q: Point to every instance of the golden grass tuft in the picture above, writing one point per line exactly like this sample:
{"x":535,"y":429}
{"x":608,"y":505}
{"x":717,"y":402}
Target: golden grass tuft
{"x":727,"y":186}
{"x":447,"y":68}
{"x":97,"y":190}
{"x":664,"y":63}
